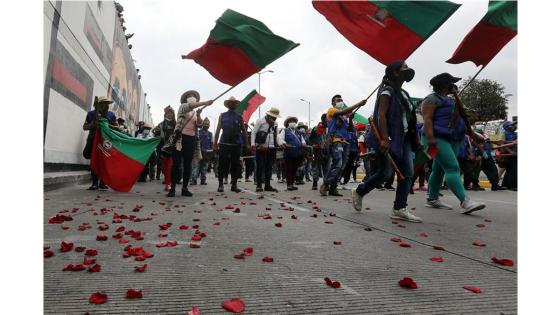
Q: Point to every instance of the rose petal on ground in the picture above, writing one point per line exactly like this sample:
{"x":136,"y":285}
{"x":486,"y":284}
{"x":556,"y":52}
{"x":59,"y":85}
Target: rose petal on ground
{"x":194,"y":311}
{"x":396,"y":239}
{"x":65,"y":247}
{"x":101,"y":237}
{"x":328,"y":281}
{"x":403,"y":244}
{"x":48,"y":253}
{"x":437,"y":247}
{"x":196,"y":238}
{"x":95,"y":268}
{"x":479,"y":244}
{"x":437,"y":259}
{"x":407,"y":282}
{"x":79,"y":249}
{"x":183,"y":227}
{"x":239,"y":256}
{"x":424,"y":234}
{"x":294,"y":217}
{"x":267,"y":259}
{"x":192,"y":245}
{"x":89,"y":261}
{"x":234,"y":305}
{"x":337,"y":242}
{"x":123,"y":241}
{"x":141,"y":268}
{"x":335,"y":284}
{"x":91,"y":252}
{"x":487,"y":220}
{"x":480,"y":225}
{"x":328,"y":222}
{"x":401,"y":225}
{"x":314,"y":215}
{"x":472,"y":289}
{"x":504,"y":262}
{"x":278,"y":224}
{"x":98,"y":298}
{"x":133,"y":294}
{"x":248,"y":251}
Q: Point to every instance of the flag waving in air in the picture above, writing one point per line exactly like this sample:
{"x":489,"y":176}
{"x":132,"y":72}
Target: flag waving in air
{"x":249,"y":104}
{"x":386,"y":30}
{"x":490,"y":35}
{"x":117,"y":158}
{"x":238,"y":47}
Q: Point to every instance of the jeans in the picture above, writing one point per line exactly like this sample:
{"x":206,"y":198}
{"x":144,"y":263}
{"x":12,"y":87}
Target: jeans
{"x":382,"y":170}
{"x":230,"y":158}
{"x":186,"y":156}
{"x":320,"y":164}
{"x":199,"y":169}
{"x":265,"y":160}
{"x":339,"y":158}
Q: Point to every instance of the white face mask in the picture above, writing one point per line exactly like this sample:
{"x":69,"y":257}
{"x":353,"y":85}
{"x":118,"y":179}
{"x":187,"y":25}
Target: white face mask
{"x":292,"y":125}
{"x":191,"y":99}
{"x":339,"y":105}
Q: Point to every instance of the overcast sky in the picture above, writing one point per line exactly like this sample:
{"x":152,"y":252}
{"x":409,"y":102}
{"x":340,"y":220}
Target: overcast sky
{"x":323,"y":65}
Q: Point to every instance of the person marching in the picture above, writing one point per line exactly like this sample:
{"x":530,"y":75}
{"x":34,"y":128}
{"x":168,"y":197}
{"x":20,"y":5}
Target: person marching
{"x":205,"y":136}
{"x":302,"y":168}
{"x":395,"y":119}
{"x":232,"y":139}
{"x":339,"y":148}
{"x":185,"y":131}
{"x":264,"y":143}
{"x":510,"y":178}
{"x":292,"y":142}
{"x":149,"y":168}
{"x":164,"y":130}
{"x":317,"y":139}
{"x":445,"y":129}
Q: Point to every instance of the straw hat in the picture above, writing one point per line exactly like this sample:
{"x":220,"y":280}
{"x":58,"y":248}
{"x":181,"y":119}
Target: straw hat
{"x":273,"y":112}
{"x":104,"y":99}
{"x":290,"y":119}
{"x":191,"y":92}
{"x":232,"y":99}
{"x":301,"y":124}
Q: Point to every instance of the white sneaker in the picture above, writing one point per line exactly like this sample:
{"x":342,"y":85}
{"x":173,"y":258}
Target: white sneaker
{"x":356,"y":200}
{"x":436,"y":203}
{"x":470,"y":205}
{"x":404,"y":214}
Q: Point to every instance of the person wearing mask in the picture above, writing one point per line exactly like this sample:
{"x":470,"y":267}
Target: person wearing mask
{"x":149,"y":168}
{"x":232,"y":140}
{"x":510,"y":177}
{"x":249,"y":161}
{"x":264,"y":143}
{"x":205,"y":136}
{"x":185,"y":137}
{"x":122,"y":126}
{"x":317,"y":140}
{"x":350,"y":168}
{"x":100,"y":109}
{"x":164,"y":130}
{"x":338,"y":125}
{"x":292,"y":142}
{"x":395,"y":119}
{"x":444,"y":131}
{"x":301,"y":170}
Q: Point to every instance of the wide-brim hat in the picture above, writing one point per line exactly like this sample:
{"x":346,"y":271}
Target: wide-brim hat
{"x":301,"y":124}
{"x":443,"y":78}
{"x":273,"y":112}
{"x":232,"y":99}
{"x":191,"y":92}
{"x":289,"y":119}
{"x":120,"y":119}
{"x":104,"y":99}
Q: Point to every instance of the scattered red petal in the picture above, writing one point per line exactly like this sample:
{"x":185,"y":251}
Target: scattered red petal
{"x":480,"y":225}
{"x":95,"y":268}
{"x":101,"y":237}
{"x":479,"y":244}
{"x":408,"y":283}
{"x":314,"y":215}
{"x":267,"y":259}
{"x":368,"y":229}
{"x":403,"y":244}
{"x":192,"y":245}
{"x":89,"y":261}
{"x":396,"y":239}
{"x":141,"y":268}
{"x":437,"y":247}
{"x":237,"y":210}
{"x":294,"y":217}
{"x":248,"y":251}
{"x":133,"y":294}
{"x":162,"y":235}
{"x":328,"y":281}
{"x":278,"y":224}
{"x":332,"y":214}
{"x":504,"y":262}
{"x":120,"y":229}
{"x":337,"y":242}
{"x":196,"y":238}
{"x":401,"y":225}
{"x":487,"y":220}
{"x":239,"y":256}
{"x":91,"y":252}
{"x":98,"y":298}
{"x":123,"y":241}
{"x":194,"y":311}
{"x":48,"y":253}
{"x":336,"y":284}
{"x":424,"y":234}
{"x":437,"y":259}
{"x":328,"y":222}
{"x":472,"y":289}
{"x":234,"y":305}
{"x":79,"y":249}
{"x":65,"y":247}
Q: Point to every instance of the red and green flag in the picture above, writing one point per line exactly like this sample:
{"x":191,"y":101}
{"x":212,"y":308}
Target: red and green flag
{"x":490,"y":35}
{"x":249,"y":104}
{"x":238,"y":47}
{"x":117,"y":158}
{"x":386,"y":30}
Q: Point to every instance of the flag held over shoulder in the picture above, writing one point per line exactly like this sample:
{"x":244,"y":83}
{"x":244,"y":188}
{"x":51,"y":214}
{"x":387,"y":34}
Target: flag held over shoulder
{"x":119,"y":159}
{"x":497,"y":28}
{"x":238,"y":47}
{"x":386,"y":30}
{"x":249,"y":104}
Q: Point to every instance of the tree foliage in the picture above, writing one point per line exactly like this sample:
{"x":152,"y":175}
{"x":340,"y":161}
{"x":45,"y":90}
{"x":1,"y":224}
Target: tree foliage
{"x":484,"y":100}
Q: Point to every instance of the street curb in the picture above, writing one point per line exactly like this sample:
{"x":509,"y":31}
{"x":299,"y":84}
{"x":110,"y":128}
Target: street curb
{"x":56,"y":180}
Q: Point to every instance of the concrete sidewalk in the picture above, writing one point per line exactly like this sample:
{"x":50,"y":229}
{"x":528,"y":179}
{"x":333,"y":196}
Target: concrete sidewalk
{"x":367,"y":263}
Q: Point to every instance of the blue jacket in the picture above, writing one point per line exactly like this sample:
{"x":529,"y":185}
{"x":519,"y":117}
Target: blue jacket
{"x":294,"y":148}
{"x":205,"y":139}
{"x":232,"y":128}
{"x":442,"y":121}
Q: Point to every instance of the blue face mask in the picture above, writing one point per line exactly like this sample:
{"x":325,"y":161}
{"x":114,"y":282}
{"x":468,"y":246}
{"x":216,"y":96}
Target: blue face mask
{"x":145,"y":132}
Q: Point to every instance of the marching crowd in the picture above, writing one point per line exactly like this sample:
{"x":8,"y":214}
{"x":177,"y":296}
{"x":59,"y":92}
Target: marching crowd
{"x":431,"y":141}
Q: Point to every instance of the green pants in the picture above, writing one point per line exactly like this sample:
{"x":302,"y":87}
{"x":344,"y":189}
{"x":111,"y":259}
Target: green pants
{"x":445,"y":164}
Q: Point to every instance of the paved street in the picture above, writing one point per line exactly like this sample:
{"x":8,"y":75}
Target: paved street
{"x":368,"y":264}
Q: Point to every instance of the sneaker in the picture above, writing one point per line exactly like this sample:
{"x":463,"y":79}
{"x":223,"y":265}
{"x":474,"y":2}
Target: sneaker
{"x":470,"y":206}
{"x":334,"y":192}
{"x":405,"y":215}
{"x":436,"y":203}
{"x":314,"y":187}
{"x":186,"y":192}
{"x":356,"y":200}
{"x":323,"y":190}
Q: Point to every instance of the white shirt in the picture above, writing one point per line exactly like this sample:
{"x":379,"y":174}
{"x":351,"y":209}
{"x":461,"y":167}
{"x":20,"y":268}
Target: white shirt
{"x":262,"y":125}
{"x":282,"y":137}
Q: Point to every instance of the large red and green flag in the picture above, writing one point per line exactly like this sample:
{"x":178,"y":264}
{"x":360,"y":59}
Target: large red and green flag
{"x":117,"y":158}
{"x":386,"y":30}
{"x":490,"y":35}
{"x":249,"y":104}
{"x":238,"y":47}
